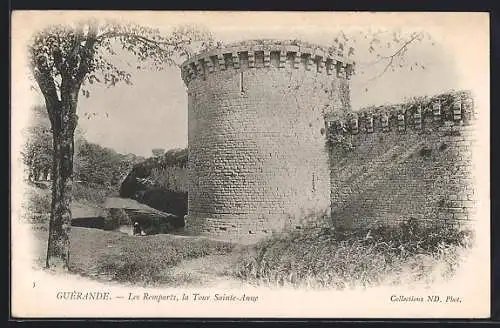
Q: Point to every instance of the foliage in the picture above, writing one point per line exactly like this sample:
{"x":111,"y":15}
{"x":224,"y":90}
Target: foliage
{"x":410,"y":105}
{"x":37,"y":149}
{"x":64,"y":60}
{"x":340,"y":141}
{"x":158,"y":152}
{"x":176,"y":157}
{"x":342,"y":259}
{"x":388,"y":49}
{"x":338,"y":131}
{"x":95,"y":165}
{"x":101,"y":166}
{"x":36,"y":204}
{"x":171,"y":178}
{"x":137,"y":260}
{"x":161,"y":183}
{"x":84,"y":51}
{"x":167,"y":172}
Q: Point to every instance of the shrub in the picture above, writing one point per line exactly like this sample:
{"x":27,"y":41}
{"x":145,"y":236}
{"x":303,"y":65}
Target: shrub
{"x":170,"y":178}
{"x":340,"y":141}
{"x":39,"y":202}
{"x":342,"y":259}
{"x":160,"y":182}
{"x":36,"y":205}
{"x":92,"y":193}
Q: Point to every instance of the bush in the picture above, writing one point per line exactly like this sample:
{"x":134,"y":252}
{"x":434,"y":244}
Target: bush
{"x":342,"y":259}
{"x":39,"y":201}
{"x":161,"y":183}
{"x":92,"y":193}
{"x":170,"y":178}
{"x":36,"y":205}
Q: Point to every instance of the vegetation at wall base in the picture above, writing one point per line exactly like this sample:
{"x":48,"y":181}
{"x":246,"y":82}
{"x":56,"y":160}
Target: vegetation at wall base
{"x":404,"y":254}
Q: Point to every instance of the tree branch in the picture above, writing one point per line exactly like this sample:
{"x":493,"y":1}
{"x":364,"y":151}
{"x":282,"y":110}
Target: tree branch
{"x":49,"y":90}
{"x":58,"y":60}
{"x":74,"y":59}
{"x":391,"y":58}
{"x":405,"y":45}
{"x":115,"y":34}
{"x":157,"y":44}
{"x":87,"y":53}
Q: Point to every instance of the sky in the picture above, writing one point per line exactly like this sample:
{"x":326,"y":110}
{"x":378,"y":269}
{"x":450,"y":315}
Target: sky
{"x":152,"y":113}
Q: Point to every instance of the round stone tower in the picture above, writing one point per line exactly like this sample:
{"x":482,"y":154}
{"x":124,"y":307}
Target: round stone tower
{"x":258,"y":161}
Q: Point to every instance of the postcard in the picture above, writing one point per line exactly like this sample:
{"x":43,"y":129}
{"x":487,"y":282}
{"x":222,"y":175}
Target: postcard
{"x":250,"y":164}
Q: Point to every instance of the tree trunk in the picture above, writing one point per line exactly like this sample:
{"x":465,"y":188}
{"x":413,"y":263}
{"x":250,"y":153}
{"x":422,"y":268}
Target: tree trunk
{"x":63,"y":127}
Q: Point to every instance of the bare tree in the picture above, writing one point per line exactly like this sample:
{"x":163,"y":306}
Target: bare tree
{"x":64,"y":60}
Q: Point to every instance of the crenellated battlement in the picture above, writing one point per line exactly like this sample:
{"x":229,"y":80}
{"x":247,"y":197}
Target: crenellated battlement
{"x":278,"y":54}
{"x":456,"y":111}
{"x":413,"y":161}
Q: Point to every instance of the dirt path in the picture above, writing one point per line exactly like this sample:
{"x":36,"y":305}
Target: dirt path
{"x":208,"y":271}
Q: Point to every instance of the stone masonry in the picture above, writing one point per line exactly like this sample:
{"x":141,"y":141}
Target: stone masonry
{"x":257,"y":137}
{"x":274,"y":146}
{"x":405,"y":163}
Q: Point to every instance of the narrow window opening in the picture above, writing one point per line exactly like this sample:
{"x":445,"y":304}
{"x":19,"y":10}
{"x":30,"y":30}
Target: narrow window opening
{"x":313,"y":183}
{"x":204,"y":70}
{"x":242,"y":90}
{"x":243,"y":59}
{"x":228,"y":60}
{"x":259,"y":59}
{"x":304,"y":58}
{"x":290,"y":58}
{"x":274,"y":57}
{"x":215,"y":62}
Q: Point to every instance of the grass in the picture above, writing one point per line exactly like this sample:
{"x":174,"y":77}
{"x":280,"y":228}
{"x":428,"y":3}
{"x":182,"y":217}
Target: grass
{"x":38,"y":196}
{"x":146,"y":260}
{"x":143,"y":260}
{"x":310,"y":259}
{"x":405,"y":254}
